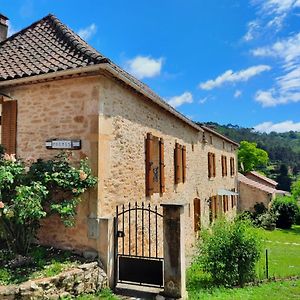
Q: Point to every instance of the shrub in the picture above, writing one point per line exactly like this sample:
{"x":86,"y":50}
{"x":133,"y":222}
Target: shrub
{"x":286,"y":210}
{"x":32,"y":191}
{"x":229,"y":252}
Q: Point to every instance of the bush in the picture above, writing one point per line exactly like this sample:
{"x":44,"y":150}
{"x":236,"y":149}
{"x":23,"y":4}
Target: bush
{"x":229,"y":252}
{"x":34,"y":190}
{"x":286,"y":210}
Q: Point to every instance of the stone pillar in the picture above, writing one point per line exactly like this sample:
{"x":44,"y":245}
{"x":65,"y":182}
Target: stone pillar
{"x":174,"y":251}
{"x":105,"y":245}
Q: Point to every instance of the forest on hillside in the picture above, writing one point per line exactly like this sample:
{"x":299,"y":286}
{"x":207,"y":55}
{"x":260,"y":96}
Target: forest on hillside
{"x":283,"y":148}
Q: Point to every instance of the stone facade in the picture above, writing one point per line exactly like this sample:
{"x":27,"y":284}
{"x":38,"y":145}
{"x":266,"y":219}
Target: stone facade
{"x":112,"y":120}
{"x":87,"y":278}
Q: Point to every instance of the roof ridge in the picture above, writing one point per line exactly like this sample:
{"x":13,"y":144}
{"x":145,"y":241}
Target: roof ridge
{"x":76,"y":41}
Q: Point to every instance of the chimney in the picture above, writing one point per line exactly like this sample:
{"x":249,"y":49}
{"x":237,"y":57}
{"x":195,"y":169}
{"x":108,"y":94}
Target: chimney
{"x":3,"y":27}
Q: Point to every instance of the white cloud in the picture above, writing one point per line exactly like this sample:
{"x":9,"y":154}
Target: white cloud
{"x":237,"y":94}
{"x":11,"y":29}
{"x":277,"y":127}
{"x":252,"y":28}
{"x":203,"y":100}
{"x":287,"y":86}
{"x":232,"y":77}
{"x":87,"y":32}
{"x":144,"y":66}
{"x":176,"y":101}
{"x":271,"y":15}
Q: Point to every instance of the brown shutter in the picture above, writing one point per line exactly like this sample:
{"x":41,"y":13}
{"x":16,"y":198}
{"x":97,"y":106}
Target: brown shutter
{"x":162,"y":165}
{"x":9,"y":126}
{"x":225,"y":165}
{"x":149,"y":163}
{"x":214,"y":164}
{"x":197,"y":214}
{"x":183,"y":163}
{"x":222,"y":163}
{"x":209,"y":164}
{"x":178,"y":164}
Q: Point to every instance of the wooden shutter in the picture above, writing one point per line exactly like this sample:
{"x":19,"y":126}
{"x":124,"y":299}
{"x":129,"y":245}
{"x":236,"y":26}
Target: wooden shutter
{"x":197,"y":214}
{"x":222,"y":164}
{"x":178,"y":163}
{"x":156,"y":164}
{"x":162,"y":165}
{"x":209,"y":164}
{"x":225,"y":165}
{"x":9,"y":126}
{"x":214,"y":164}
{"x":149,"y":163}
{"x":232,"y":166}
{"x":224,"y":203}
{"x":215,"y":207}
{"x":184,"y":163}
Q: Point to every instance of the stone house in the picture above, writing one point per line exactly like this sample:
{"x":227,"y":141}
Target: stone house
{"x":53,"y":85}
{"x":256,"y":188}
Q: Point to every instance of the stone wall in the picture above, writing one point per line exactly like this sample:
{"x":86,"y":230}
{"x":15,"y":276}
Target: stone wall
{"x":125,"y":119}
{"x":87,"y":278}
{"x":250,"y":196}
{"x":66,"y":109}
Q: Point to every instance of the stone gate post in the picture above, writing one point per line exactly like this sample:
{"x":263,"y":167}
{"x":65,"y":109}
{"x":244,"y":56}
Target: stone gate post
{"x":174,"y":251}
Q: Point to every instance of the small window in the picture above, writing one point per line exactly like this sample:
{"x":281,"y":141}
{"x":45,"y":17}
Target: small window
{"x":211,"y":165}
{"x":225,"y":203}
{"x":213,"y":208}
{"x":180,"y":163}
{"x":211,"y":139}
{"x":232,"y":167}
{"x":224,"y":165}
{"x":223,"y":145}
{"x":155,"y":175}
{"x":197,"y":214}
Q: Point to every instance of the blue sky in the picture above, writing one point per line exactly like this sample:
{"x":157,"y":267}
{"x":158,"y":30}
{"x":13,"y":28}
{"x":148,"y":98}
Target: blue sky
{"x":226,"y":61}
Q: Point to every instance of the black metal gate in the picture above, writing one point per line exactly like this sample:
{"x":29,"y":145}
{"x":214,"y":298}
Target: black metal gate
{"x":138,"y":245}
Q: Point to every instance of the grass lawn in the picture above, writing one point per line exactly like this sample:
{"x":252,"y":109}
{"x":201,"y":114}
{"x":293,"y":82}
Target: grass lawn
{"x":283,"y":251}
{"x":284,"y":261}
{"x":273,"y":291}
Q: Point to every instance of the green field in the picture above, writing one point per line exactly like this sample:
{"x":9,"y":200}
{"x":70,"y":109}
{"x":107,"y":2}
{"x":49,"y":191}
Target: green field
{"x":283,"y":251}
{"x":284,"y":261}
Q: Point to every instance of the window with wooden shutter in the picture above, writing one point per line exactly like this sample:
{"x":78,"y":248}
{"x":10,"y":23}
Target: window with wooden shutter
{"x":183,"y":164}
{"x":232,"y":171}
{"x":162,"y":166}
{"x":180,"y":163}
{"x":197,"y":214}
{"x":211,"y":165}
{"x":224,"y":165}
{"x":155,"y":175}
{"x":9,"y":126}
{"x":213,"y":208}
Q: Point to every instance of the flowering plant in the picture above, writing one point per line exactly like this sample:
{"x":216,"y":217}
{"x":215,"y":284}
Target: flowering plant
{"x":30,"y":191}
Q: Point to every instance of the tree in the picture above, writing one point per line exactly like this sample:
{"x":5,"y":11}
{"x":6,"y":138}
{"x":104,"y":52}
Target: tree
{"x":250,"y":157}
{"x":283,"y":178}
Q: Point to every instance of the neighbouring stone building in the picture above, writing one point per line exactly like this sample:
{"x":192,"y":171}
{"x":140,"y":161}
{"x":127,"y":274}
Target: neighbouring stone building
{"x":256,"y":188}
{"x":55,"y":86}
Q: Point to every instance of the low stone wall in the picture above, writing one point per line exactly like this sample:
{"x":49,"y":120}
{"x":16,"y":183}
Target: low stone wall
{"x":87,"y":278}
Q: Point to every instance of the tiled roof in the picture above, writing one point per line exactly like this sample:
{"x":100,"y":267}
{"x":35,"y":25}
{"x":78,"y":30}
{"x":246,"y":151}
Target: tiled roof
{"x":262,"y":177}
{"x":255,"y":184}
{"x":43,"y":47}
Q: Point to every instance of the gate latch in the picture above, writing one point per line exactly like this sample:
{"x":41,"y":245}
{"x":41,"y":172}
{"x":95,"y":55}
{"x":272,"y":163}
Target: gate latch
{"x":120,"y":234}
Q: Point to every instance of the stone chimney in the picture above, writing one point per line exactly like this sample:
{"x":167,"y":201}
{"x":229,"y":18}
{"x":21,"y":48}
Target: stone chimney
{"x":3,"y":27}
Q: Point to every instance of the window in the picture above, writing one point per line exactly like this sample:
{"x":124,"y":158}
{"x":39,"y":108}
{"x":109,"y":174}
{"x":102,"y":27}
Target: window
{"x":233,"y":199}
{"x":225,"y":203}
{"x":155,"y":173}
{"x":197,"y":214}
{"x":211,"y":139}
{"x":213,"y":208}
{"x":9,"y":126}
{"x":180,"y":163}
{"x":211,"y":165}
{"x":224,"y":165}
{"x":232,"y":167}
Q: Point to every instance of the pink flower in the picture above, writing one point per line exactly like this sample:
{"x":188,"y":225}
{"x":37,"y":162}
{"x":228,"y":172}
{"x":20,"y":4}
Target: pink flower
{"x":1,"y":204}
{"x":82,"y":175}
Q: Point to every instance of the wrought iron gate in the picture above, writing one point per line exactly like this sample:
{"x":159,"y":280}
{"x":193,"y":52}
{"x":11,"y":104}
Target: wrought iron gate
{"x":138,"y":245}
